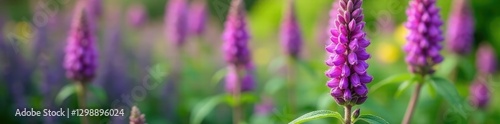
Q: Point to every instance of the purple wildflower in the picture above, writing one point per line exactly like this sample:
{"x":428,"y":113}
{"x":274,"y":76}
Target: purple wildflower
{"x":291,"y":39}
{"x":136,"y":117}
{"x":176,"y":25}
{"x":460,"y":31}
{"x":137,"y":15}
{"x":347,"y":55}
{"x":95,"y":8}
{"x":424,"y":37}
{"x":486,"y":60}
{"x":479,"y":95}
{"x":235,"y":46}
{"x":80,"y":60}
{"x":247,"y":82}
{"x":198,"y":17}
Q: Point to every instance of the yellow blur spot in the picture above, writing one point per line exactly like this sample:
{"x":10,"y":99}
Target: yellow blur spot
{"x":387,"y":53}
{"x":400,"y":34}
{"x":262,"y":55}
{"x":24,"y":31}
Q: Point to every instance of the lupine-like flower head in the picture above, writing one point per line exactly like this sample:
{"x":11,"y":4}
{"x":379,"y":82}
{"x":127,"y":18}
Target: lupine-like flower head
{"x":291,"y":39}
{"x":486,"y":60}
{"x":95,"y":7}
{"x":80,"y":60}
{"x":479,"y":95}
{"x":347,"y":55}
{"x":136,"y":117}
{"x":197,"y":17}
{"x":424,"y":36}
{"x":176,"y":21}
{"x":137,"y":15}
{"x":460,"y":31}
{"x":235,"y":46}
{"x":245,"y":78}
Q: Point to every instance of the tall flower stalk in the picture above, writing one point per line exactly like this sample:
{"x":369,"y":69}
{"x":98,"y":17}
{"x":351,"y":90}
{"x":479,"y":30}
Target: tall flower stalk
{"x":347,"y":57}
{"x":460,"y":33}
{"x":237,"y":54}
{"x":80,"y":60}
{"x":291,"y":42}
{"x":423,"y":45}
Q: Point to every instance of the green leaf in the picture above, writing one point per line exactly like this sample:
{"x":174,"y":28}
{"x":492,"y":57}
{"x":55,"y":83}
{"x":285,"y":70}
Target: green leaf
{"x":393,"y":79}
{"x":432,"y":89}
{"x":317,"y":115}
{"x":310,"y":70}
{"x":65,"y":92}
{"x":248,"y":98}
{"x":448,"y":91}
{"x":325,"y":101}
{"x":403,"y":87}
{"x":98,"y":92}
{"x":274,"y":85}
{"x":372,"y":119}
{"x":218,"y":76}
{"x":201,"y":110}
{"x":467,"y":68}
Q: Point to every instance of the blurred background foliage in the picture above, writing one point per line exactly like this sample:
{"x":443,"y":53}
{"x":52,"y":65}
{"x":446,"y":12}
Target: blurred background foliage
{"x":144,"y":54}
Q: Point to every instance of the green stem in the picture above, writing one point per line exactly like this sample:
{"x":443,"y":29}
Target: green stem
{"x":81,"y":92}
{"x":413,"y":102}
{"x":291,"y":85}
{"x":347,"y":114}
{"x":237,"y":110}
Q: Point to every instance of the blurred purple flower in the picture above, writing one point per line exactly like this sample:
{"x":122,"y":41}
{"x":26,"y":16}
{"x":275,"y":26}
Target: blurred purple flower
{"x":424,"y":37}
{"x":197,"y":17}
{"x":347,"y":55}
{"x":265,"y":107}
{"x":479,"y":95}
{"x":176,"y":21}
{"x":137,"y":16}
{"x":291,"y":39}
{"x":486,"y":60}
{"x":80,"y":60}
{"x":95,"y":8}
{"x":246,"y":79}
{"x":460,"y":33}
{"x":235,"y":36}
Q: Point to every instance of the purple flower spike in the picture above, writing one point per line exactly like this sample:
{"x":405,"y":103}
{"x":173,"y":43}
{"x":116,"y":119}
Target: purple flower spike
{"x":347,"y":55}
{"x":198,"y":17}
{"x":291,"y":39}
{"x":176,"y":21}
{"x":486,"y":60}
{"x":137,"y":15}
{"x":95,"y":7}
{"x":80,"y":60}
{"x":235,"y":36}
{"x":460,"y":31}
{"x":424,"y":36}
{"x":246,"y":80}
{"x":479,"y":95}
